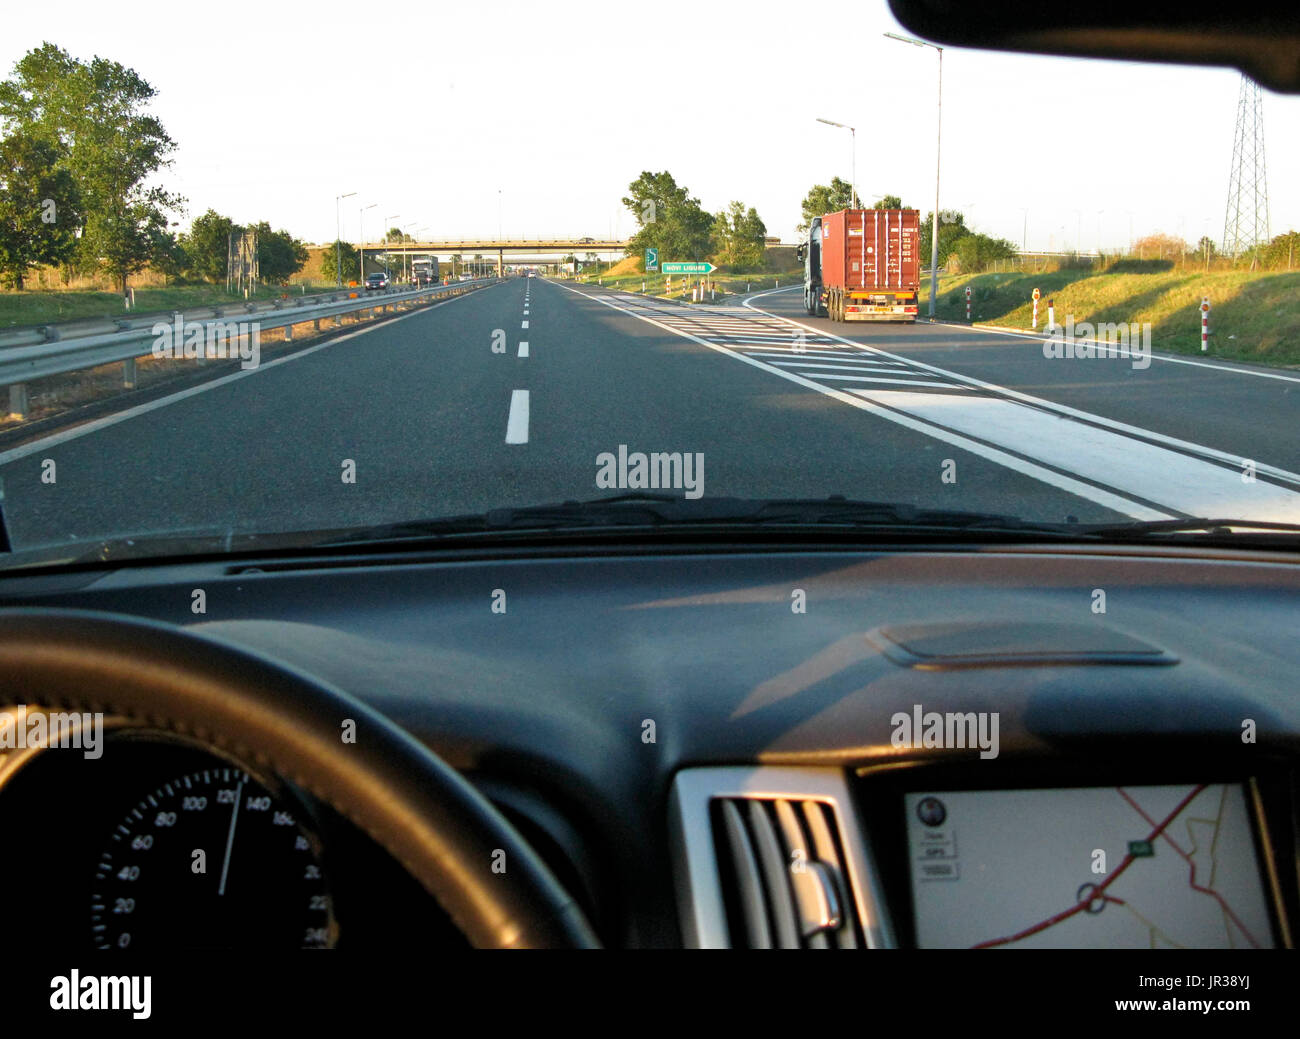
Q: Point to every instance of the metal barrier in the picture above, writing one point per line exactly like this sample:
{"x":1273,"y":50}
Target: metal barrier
{"x":82,"y":345}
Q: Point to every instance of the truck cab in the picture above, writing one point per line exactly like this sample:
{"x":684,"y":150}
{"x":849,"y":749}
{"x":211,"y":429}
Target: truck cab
{"x":810,"y":253}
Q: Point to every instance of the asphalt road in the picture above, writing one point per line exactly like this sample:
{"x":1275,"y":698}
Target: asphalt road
{"x":434,"y":421}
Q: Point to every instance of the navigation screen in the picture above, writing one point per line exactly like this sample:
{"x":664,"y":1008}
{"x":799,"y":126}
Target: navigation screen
{"x":1141,"y":867}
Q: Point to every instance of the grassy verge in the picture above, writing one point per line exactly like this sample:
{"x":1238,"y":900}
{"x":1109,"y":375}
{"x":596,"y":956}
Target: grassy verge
{"x":47,"y":306}
{"x":1254,"y":316}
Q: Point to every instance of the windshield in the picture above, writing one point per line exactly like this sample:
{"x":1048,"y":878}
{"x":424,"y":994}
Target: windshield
{"x":759,"y":260}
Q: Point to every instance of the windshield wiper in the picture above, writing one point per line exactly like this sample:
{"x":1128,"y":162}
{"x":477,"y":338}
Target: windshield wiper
{"x":1188,"y":525}
{"x":673,"y":511}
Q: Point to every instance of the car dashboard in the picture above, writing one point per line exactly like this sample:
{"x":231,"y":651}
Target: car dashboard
{"x":834,"y":748}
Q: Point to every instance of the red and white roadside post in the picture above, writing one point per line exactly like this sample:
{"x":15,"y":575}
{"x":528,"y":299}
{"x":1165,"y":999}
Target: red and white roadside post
{"x":968,"y":304}
{"x":1035,"y":323}
{"x":1205,"y":323}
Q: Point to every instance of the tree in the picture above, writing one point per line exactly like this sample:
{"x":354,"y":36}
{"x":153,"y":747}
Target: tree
{"x":825,"y":198}
{"x":738,"y":237}
{"x":279,"y":255}
{"x":952,"y":229}
{"x":890,"y":202}
{"x":670,"y":220}
{"x":95,"y":112}
{"x":208,"y":245}
{"x":1160,"y":246}
{"x":1206,"y":247}
{"x":349,"y":260}
{"x":39,"y":207}
{"x":170,"y":256}
{"x":1283,"y":252}
{"x":973,"y":252}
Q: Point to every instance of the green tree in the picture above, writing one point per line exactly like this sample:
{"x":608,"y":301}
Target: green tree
{"x":952,"y":229}
{"x":39,"y":207}
{"x":974,"y":251}
{"x":738,"y":238}
{"x":96,"y":111}
{"x":208,"y":245}
{"x":890,"y":202}
{"x":349,"y":260}
{"x":670,"y":219}
{"x":169,"y":256}
{"x":1282,"y":253}
{"x":279,"y":255}
{"x":825,"y":198}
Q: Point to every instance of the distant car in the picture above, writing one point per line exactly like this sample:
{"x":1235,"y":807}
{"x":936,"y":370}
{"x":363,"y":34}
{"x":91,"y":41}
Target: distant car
{"x":532,"y":274}
{"x":586,"y":241}
{"x":376,"y":281}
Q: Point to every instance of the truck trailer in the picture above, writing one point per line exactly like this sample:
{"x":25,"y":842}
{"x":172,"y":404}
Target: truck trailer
{"x":863,"y":265}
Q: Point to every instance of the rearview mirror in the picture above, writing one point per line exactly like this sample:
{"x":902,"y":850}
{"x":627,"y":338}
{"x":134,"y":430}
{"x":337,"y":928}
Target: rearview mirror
{"x":1259,"y":37}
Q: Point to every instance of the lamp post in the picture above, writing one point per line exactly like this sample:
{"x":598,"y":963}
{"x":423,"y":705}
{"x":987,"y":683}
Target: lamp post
{"x":338,"y":234}
{"x":361,"y":233}
{"x":938,"y":138}
{"x":853,"y":134}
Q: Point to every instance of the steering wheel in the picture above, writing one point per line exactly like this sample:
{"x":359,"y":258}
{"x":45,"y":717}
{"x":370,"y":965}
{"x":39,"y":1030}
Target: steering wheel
{"x":442,"y":830}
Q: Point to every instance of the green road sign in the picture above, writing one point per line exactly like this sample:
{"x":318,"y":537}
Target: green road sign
{"x":652,"y":259}
{"x":687,"y":268}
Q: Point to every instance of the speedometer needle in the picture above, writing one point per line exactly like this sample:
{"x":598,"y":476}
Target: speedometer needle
{"x":230,"y":837}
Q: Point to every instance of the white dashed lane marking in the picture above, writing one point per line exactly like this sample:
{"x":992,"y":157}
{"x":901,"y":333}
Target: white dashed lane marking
{"x":517,"y":423}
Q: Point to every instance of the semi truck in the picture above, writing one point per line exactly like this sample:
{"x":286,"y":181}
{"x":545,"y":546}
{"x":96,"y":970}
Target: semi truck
{"x":424,"y":271}
{"x":863,"y":265}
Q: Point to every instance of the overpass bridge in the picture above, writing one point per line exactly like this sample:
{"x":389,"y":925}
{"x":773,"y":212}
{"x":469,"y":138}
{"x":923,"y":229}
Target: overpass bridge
{"x":469,"y":247}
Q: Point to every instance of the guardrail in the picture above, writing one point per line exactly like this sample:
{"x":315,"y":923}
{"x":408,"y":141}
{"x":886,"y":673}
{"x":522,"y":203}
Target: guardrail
{"x":82,"y":345}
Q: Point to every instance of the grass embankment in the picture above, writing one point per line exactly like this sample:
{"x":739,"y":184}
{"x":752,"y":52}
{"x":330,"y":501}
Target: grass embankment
{"x":1253,"y":316}
{"x":42,"y":306}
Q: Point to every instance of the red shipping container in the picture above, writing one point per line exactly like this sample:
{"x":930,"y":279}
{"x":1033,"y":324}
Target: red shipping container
{"x":872,"y":250}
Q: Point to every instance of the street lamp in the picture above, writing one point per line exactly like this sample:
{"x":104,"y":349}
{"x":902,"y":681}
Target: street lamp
{"x":853,"y":134}
{"x":938,"y":137}
{"x":361,"y":233}
{"x":338,"y":234}
{"x":386,"y":226}
{"x":1024,"y":230}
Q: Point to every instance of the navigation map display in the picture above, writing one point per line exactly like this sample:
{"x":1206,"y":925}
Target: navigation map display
{"x":1106,"y":867}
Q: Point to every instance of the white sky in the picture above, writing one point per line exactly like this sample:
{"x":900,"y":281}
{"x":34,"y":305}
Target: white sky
{"x":437,"y":111}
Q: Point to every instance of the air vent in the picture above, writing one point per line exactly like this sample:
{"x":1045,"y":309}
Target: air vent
{"x":772,"y":857}
{"x":782,"y":870}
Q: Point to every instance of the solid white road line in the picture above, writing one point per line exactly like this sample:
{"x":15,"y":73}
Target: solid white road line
{"x":523,"y":348}
{"x":1055,"y":444}
{"x":1229,"y":459}
{"x":517,"y":423}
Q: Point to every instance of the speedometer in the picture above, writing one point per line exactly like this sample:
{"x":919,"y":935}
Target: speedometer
{"x":211,"y":859}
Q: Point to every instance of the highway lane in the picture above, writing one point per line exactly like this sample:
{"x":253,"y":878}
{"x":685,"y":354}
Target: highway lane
{"x":422,"y":407}
{"x":1245,"y":410}
{"x":509,"y":396}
